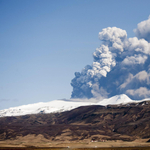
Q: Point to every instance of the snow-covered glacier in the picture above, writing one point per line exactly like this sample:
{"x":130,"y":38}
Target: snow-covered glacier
{"x":63,"y":105}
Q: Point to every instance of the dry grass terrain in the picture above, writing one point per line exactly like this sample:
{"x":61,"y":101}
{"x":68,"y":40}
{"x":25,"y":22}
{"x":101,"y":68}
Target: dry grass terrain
{"x":40,"y":141}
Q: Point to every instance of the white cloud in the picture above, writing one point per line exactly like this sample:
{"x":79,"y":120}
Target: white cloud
{"x":142,"y":92}
{"x":137,"y":45}
{"x":113,"y":34}
{"x":136,"y":59}
{"x":142,"y":76}
{"x":143,"y":30}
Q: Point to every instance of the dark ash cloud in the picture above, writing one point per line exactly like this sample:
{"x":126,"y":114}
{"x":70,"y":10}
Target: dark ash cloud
{"x":121,"y":66}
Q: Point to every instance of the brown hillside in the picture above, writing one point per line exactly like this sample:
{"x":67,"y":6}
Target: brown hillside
{"x":124,"y":122}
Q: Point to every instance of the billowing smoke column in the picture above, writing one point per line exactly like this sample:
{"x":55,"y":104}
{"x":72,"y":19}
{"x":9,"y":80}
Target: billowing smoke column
{"x":121,"y":66}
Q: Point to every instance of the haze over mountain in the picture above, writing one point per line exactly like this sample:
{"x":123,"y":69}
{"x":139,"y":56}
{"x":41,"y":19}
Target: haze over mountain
{"x":121,"y":65}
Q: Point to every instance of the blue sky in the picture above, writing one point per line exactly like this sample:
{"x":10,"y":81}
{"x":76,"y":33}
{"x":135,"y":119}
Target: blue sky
{"x":43,"y":42}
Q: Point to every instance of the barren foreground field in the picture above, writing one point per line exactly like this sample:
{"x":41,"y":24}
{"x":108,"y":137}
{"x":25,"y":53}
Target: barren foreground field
{"x":62,"y":148}
{"x":37,"y":142}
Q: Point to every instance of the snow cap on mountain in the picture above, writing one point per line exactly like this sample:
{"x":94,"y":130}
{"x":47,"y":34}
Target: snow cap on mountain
{"x":118,"y":99}
{"x":62,"y":105}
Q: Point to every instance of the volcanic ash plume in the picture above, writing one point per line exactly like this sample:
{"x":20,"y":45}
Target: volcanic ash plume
{"x":121,"y":66}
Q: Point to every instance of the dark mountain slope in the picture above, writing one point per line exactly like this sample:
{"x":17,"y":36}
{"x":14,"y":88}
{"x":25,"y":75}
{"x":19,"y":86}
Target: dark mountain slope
{"x":124,"y":122}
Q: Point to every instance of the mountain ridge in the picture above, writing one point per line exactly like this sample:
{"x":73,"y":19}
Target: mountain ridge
{"x":63,"y":105}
